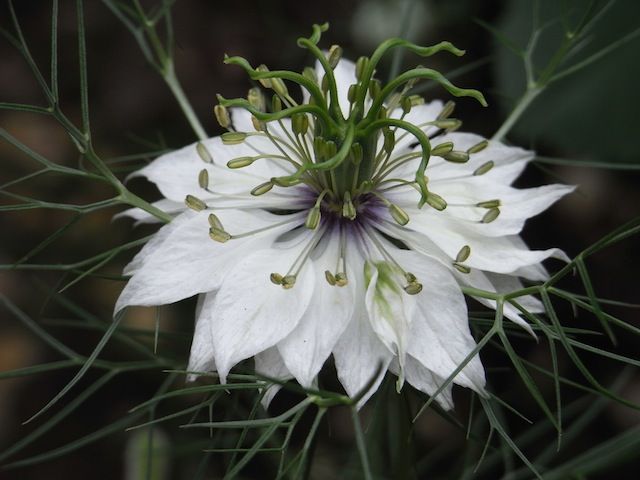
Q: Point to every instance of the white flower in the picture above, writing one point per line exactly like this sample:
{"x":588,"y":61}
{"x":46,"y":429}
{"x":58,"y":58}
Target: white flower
{"x":361,"y":261}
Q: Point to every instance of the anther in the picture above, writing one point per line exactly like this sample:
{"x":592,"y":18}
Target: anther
{"x":447,"y":123}
{"x":222,"y":116}
{"x":233,"y":138}
{"x":288,"y":281}
{"x":491,"y":215}
{"x":335,"y":53}
{"x":398,"y":214}
{"x":461,"y":267}
{"x":436,"y":201}
{"x":276,"y":278}
{"x":361,"y":65}
{"x":348,"y":208}
{"x":299,"y":123}
{"x":203,"y":153}
{"x":262,"y":189}
{"x":256,"y":98}
{"x":463,"y":254}
{"x":389,"y":140}
{"x":447,"y":110}
{"x":219,"y":235}
{"x":310,"y":74}
{"x":257,"y":124}
{"x":240,"y":162}
{"x":484,"y":168}
{"x":456,"y":156}
{"x":416,"y":100}
{"x":265,"y":82}
{"x":374,"y":88}
{"x":410,"y":277}
{"x":352,"y":92}
{"x":278,"y":86}
{"x":413,"y":288}
{"x":478,"y":147}
{"x":489,"y":204}
{"x":442,"y":149}
{"x":324,"y":84}
{"x":203,"y":178}
{"x":214,"y":222}
{"x":276,"y":103}
{"x":330,"y":278}
{"x":313,"y":218}
{"x":406,"y":105}
{"x":194,"y":203}
{"x":341,"y":279}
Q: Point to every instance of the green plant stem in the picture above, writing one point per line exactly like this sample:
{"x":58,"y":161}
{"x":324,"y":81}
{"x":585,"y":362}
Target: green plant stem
{"x":529,"y":96}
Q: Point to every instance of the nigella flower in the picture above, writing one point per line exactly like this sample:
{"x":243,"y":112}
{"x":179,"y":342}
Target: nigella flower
{"x":345,"y":225}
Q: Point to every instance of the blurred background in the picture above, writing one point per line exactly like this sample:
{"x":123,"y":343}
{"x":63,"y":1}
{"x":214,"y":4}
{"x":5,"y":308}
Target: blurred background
{"x":588,"y":117}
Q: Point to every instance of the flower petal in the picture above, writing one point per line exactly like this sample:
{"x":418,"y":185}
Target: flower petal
{"x":201,"y":357}
{"x":423,"y":379}
{"x":184,"y":261}
{"x":270,"y":364}
{"x":249,"y":313}
{"x":307,"y":347}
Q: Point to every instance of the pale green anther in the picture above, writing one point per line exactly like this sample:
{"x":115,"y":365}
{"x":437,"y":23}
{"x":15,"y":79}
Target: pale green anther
{"x":222,"y":116}
{"x":276,"y":104}
{"x":288,"y":281}
{"x":219,"y":235}
{"x":356,"y":153}
{"x":394,"y":99}
{"x":389,"y":139}
{"x":214,"y":221}
{"x":416,"y":100}
{"x":233,"y":138}
{"x":324,"y":84}
{"x":461,"y":267}
{"x":257,"y":124}
{"x":310,"y":74}
{"x":341,"y":279}
{"x":413,"y":288}
{"x":463,"y":254}
{"x":335,"y":53}
{"x":203,"y":178}
{"x":448,"y":123}
{"x":361,"y":66}
{"x":478,"y":147}
{"x":456,"y":156}
{"x":374,"y":88}
{"x":330,"y":148}
{"x":194,"y":203}
{"x":276,"y":278}
{"x":447,"y":110}
{"x":491,"y":215}
{"x":256,"y":98}
{"x":489,"y":204}
{"x":436,"y":201}
{"x":240,"y":162}
{"x":348,"y":208}
{"x":442,"y":149}
{"x":331,"y":279}
{"x":410,"y":277}
{"x":300,"y":123}
{"x":265,"y":82}
{"x":313,"y":218}
{"x":406,"y":105}
{"x":352,"y":92}
{"x":484,"y":168}
{"x":398,"y":214}
{"x":382,"y":113}
{"x":319,"y":148}
{"x":278,"y":86}
{"x":262,"y":189}
{"x":203,"y":153}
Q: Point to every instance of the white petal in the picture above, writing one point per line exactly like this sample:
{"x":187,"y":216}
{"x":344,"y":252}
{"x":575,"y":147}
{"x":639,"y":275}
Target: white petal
{"x":185,"y":261}
{"x":440,"y":337}
{"x":419,"y":115}
{"x":359,"y":354}
{"x":270,"y":364}
{"x":423,"y":379}
{"x":201,"y":358}
{"x":307,"y":347}
{"x":250,"y":314}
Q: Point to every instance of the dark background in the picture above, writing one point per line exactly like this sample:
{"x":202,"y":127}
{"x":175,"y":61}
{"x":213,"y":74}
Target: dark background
{"x":590,"y":116}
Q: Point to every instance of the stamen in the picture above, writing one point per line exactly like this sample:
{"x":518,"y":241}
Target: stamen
{"x":348,"y":208}
{"x":456,"y":156}
{"x":442,"y":149}
{"x":491,"y":215}
{"x":240,"y":162}
{"x":398,"y":214}
{"x":484,"y":168}
{"x":262,"y":189}
{"x":447,"y":110}
{"x":222,"y":116}
{"x":256,"y":98}
{"x":335,"y":53}
{"x":194,"y":203}
{"x":203,"y":153}
{"x":478,"y":147}
{"x":330,"y":278}
{"x":219,"y":235}
{"x":276,"y":278}
{"x":489,"y":204}
{"x":436,"y":201}
{"x":463,"y":254}
{"x":233,"y":138}
{"x":203,"y":179}
{"x":462,"y":268}
{"x":313,"y":218}
{"x":288,"y":282}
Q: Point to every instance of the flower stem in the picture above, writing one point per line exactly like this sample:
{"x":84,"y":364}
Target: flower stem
{"x":529,"y":96}
{"x":362,"y":448}
{"x":175,"y":87}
